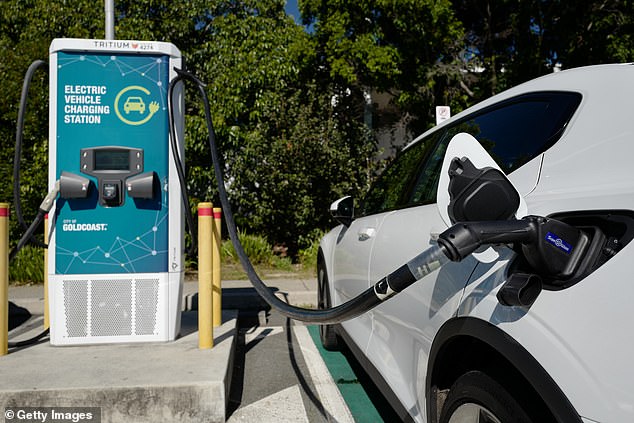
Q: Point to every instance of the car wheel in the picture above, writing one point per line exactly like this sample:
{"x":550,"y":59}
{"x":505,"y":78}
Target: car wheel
{"x":326,"y":332}
{"x":477,"y":398}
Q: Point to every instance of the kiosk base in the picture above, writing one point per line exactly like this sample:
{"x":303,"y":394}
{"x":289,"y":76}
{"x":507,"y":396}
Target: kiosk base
{"x":97,"y":309}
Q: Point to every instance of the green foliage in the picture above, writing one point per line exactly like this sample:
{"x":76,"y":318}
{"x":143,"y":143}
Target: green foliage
{"x":408,"y":48}
{"x":508,"y":42}
{"x":275,"y":123}
{"x":28,"y":266}
{"x":307,"y":257}
{"x":259,"y":251}
{"x":256,"y":247}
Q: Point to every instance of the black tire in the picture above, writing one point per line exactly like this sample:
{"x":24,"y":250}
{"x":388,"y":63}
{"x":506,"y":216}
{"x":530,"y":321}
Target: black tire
{"x":327,"y":333}
{"x":477,"y":398}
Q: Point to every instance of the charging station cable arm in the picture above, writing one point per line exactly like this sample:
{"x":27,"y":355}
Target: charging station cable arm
{"x":178,"y":163}
{"x":44,"y":207}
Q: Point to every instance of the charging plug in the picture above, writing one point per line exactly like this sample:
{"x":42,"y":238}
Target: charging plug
{"x":557,"y":248}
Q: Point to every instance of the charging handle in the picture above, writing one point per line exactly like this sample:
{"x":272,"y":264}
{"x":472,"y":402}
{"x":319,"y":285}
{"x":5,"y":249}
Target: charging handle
{"x":73,"y":186}
{"x":142,"y":186}
{"x":552,"y":248}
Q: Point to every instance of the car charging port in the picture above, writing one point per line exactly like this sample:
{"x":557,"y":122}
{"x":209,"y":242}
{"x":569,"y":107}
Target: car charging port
{"x":607,"y":232}
{"x":550,"y":249}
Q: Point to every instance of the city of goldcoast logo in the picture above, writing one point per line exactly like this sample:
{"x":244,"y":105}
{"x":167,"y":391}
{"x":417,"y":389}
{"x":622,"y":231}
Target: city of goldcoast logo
{"x":84,"y":227}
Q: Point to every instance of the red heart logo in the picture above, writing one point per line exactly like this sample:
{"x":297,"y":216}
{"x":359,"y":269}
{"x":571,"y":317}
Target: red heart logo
{"x":135,"y":45}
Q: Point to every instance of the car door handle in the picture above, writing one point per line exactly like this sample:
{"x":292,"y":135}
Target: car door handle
{"x":366,"y":233}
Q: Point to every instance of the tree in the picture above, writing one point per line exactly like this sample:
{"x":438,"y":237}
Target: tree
{"x":510,"y":41}
{"x":26,"y":29}
{"x":407,"y":48}
{"x":593,"y":32}
{"x":289,"y":151}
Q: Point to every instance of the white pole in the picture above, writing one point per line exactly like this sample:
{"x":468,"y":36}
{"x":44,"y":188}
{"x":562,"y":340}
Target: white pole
{"x":109,"y":7}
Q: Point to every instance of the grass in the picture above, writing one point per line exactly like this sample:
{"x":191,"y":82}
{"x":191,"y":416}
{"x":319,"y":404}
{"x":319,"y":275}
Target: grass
{"x":267,"y":264}
{"x":234,"y":271}
{"x":27,"y":267}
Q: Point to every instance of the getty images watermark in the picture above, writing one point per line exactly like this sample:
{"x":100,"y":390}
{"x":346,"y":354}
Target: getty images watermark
{"x":52,"y":414}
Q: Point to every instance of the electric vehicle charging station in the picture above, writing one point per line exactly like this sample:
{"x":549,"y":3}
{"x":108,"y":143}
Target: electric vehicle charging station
{"x":116,"y":246}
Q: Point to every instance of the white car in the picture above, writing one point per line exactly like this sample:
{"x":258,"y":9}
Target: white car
{"x":446,"y":349}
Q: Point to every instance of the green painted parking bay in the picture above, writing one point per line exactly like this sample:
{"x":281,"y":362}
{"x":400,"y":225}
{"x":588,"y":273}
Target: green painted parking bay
{"x":363,"y":398}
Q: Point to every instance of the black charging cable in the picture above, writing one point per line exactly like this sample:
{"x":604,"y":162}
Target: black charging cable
{"x":425,"y":263}
{"x":19,"y":135}
{"x":29,"y":234}
{"x":44,"y":208}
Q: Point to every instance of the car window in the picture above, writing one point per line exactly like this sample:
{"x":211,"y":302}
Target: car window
{"x":426,"y":185}
{"x":513,"y":132}
{"x":517,"y":130}
{"x":390,"y":190}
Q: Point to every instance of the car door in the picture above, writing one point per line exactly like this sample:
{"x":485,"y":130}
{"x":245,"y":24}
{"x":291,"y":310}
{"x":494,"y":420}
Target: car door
{"x":353,"y":251}
{"x":350,"y":270}
{"x":404,"y":327}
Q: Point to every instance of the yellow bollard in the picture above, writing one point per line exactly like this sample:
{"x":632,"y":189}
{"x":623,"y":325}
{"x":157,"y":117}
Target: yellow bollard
{"x":46,"y":315}
{"x":216,"y":275}
{"x":205,"y":328}
{"x":4,"y":279}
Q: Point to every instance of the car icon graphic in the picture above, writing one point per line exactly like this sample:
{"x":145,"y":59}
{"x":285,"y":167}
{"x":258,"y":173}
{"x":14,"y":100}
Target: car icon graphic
{"x":134,"y":104}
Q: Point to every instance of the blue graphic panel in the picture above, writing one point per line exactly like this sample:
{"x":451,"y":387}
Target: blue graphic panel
{"x":112,"y":100}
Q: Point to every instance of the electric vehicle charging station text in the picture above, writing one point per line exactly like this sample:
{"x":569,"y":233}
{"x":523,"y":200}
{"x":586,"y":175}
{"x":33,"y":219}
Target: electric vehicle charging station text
{"x":116,"y":249}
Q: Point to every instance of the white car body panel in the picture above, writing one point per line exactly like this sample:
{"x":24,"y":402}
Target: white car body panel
{"x":581,"y":335}
{"x":413,"y":321}
{"x":350,"y":267}
{"x":587,"y":351}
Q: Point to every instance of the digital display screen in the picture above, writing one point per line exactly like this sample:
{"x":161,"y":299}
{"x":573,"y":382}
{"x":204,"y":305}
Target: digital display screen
{"x":112,"y":159}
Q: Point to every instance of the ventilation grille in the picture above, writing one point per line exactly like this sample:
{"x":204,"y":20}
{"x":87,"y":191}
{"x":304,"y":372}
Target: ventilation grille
{"x":75,"y":306}
{"x":110,"y":307}
{"x":146,"y":294}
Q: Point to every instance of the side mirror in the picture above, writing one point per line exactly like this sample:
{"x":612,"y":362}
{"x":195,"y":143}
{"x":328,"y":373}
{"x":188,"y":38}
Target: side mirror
{"x":343,"y":210}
